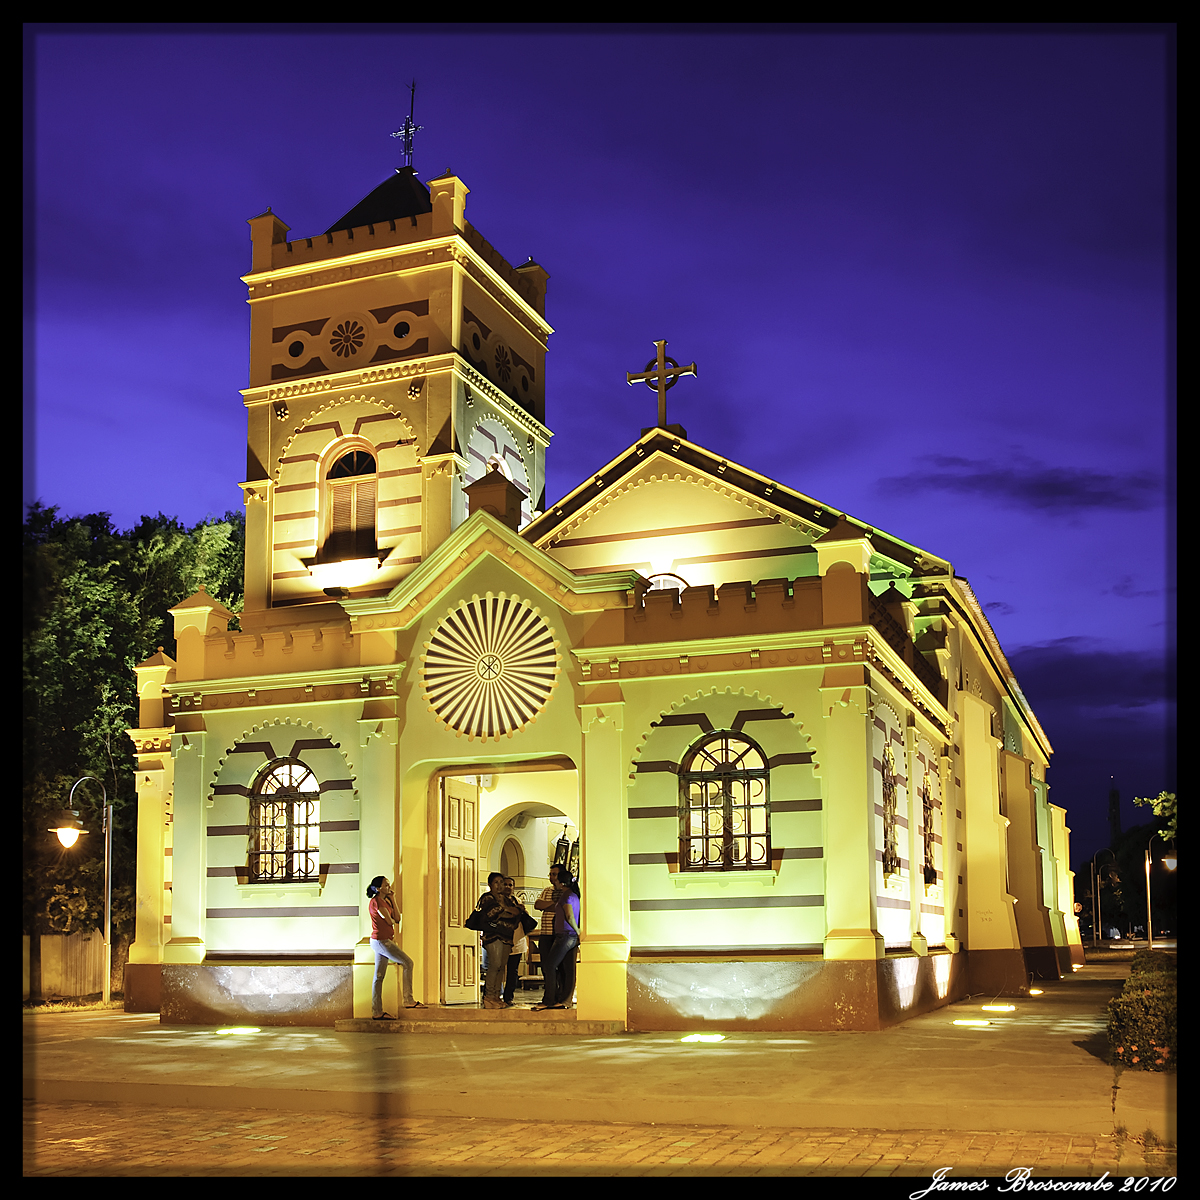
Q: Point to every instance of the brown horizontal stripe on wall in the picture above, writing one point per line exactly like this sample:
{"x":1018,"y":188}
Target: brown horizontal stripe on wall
{"x":398,"y":471}
{"x":231,"y":789}
{"x":661,"y":765}
{"x":933,"y":909}
{"x":782,"y":806}
{"x":399,"y":501}
{"x":632,"y":536}
{"x":891,"y":902}
{"x":309,"y":545}
{"x":301,"y":744}
{"x":744,"y":554}
{"x":338,"y":785}
{"x":381,"y":533}
{"x":636,"y":814}
{"x":790,"y":760}
{"x":229,"y":831}
{"x":727,"y":901}
{"x":292,"y":458}
{"x":643,"y":860}
{"x":254,"y":748}
{"x":684,"y":953}
{"x":338,"y":826}
{"x":700,"y":719}
{"x":297,"y":487}
{"x":804,"y":852}
{"x":296,"y":516}
{"x":759,"y":714}
{"x":291,"y":575}
{"x":348,"y":910}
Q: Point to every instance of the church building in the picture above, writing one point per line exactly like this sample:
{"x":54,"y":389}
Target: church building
{"x":801,"y":784}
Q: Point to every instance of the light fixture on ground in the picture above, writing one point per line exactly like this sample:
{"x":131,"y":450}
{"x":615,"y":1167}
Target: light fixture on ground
{"x":68,"y":829}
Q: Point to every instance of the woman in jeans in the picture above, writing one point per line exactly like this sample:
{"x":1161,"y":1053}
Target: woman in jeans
{"x":562,"y":949}
{"x":384,"y":920}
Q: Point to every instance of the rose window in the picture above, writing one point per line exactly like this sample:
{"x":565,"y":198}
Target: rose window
{"x":490,"y":667}
{"x":347,"y":338}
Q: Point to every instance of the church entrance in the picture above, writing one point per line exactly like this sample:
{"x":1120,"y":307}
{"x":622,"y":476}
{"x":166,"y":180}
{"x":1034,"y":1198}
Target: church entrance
{"x":515,"y":818}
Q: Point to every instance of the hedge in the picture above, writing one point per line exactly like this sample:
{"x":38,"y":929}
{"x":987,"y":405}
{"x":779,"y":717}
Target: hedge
{"x":1142,"y":1022}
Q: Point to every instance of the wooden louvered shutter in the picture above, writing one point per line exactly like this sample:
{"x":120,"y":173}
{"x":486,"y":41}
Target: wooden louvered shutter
{"x":341,"y":521}
{"x":364,"y":518}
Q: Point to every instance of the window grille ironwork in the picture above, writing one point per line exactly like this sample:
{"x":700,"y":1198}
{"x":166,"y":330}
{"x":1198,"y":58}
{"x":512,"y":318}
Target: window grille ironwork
{"x":927,"y":830}
{"x":724,"y":815}
{"x":285,"y":824}
{"x":891,"y":852}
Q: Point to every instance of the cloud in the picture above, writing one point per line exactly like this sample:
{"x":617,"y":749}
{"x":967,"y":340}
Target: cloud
{"x":1080,"y":673}
{"x":999,"y":607}
{"x":1026,"y":483}
{"x":1126,"y":589}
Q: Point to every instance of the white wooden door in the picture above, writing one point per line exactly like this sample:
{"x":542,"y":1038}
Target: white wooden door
{"x":460,"y":890}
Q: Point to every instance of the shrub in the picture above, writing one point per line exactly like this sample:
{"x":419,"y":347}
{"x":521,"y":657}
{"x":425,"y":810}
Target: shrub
{"x":1153,"y":962}
{"x":1142,"y":1024}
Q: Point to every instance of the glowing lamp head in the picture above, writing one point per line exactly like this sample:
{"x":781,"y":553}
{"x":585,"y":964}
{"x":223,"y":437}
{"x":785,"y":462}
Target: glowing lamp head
{"x":1170,"y":861}
{"x":68,"y":828}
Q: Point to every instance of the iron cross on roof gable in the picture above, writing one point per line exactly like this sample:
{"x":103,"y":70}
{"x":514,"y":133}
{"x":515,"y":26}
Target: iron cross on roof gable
{"x":660,"y":374}
{"x":407,"y":130}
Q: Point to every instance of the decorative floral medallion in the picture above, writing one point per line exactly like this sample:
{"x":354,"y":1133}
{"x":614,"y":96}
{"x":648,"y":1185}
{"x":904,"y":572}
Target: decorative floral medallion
{"x":503,"y":364}
{"x":347,"y":338}
{"x":490,"y":667}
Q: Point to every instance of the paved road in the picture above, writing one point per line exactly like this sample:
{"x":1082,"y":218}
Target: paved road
{"x":75,"y":1138}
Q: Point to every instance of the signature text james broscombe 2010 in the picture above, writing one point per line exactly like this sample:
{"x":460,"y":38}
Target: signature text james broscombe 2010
{"x":1018,"y":1180}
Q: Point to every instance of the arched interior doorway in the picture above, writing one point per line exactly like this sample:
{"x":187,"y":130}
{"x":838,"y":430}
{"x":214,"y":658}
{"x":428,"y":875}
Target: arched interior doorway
{"x":513,"y":818}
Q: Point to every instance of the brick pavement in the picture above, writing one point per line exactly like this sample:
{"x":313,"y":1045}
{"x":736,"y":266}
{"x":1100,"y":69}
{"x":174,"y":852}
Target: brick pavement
{"x":96,"y":1139}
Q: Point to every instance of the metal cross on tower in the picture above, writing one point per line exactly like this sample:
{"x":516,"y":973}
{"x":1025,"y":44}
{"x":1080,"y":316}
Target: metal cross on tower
{"x":660,"y":374}
{"x":407,"y":130}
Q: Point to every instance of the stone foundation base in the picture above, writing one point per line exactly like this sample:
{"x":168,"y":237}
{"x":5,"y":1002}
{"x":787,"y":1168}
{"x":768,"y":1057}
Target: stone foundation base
{"x":143,"y":987}
{"x":256,"y":993}
{"x":999,"y":972}
{"x":791,"y":995}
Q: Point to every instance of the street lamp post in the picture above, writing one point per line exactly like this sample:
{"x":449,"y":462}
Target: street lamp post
{"x":1096,"y":894}
{"x":1170,"y":863}
{"x":68,"y":830}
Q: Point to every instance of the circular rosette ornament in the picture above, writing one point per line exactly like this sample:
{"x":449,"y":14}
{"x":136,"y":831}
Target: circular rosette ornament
{"x":490,"y":667}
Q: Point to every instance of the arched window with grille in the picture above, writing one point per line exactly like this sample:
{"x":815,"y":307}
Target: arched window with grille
{"x":285,"y":824}
{"x":725,"y":805}
{"x":350,"y":496}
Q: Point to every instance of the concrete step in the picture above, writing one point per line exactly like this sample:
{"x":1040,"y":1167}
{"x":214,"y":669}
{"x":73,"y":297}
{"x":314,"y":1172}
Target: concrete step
{"x":502,"y":1022}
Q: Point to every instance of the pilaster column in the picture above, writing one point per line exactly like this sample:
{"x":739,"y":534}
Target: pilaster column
{"x":849,"y":816}
{"x":604,"y":878}
{"x":189,"y":859}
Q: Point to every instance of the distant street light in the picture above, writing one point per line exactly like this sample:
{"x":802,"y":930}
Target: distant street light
{"x":1096,"y":892}
{"x":1169,"y":861}
{"x":68,"y":830}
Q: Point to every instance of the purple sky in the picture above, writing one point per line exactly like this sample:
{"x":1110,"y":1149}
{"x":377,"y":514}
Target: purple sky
{"x":924,"y":276}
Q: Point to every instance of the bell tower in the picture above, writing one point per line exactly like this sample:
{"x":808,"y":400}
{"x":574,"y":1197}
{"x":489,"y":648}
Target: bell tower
{"x":394,"y":359}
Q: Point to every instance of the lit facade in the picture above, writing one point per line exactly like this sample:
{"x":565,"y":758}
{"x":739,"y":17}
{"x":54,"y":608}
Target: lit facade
{"x":807,"y":790}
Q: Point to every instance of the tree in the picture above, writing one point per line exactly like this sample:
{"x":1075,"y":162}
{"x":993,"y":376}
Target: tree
{"x":95,"y":603}
{"x":1164,"y":809}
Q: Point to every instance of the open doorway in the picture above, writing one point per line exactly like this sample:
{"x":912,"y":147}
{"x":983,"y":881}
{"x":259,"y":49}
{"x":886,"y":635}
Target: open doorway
{"x":513,"y":818}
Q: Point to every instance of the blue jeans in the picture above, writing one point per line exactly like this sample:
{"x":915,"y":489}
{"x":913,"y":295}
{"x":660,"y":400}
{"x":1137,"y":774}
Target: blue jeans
{"x":562,"y":952}
{"x":386,"y":952}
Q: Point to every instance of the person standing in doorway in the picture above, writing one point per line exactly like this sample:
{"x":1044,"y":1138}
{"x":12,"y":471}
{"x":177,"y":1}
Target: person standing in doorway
{"x":560,"y":988}
{"x":520,"y":935}
{"x":546,"y":903}
{"x":384,"y":922}
{"x":501,"y":916}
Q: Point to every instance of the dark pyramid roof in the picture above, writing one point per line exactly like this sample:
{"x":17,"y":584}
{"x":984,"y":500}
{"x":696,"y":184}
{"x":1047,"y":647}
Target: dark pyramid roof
{"x":400,"y":195}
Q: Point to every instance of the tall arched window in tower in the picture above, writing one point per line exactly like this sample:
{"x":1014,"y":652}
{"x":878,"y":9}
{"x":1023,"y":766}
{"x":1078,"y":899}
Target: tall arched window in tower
{"x":285,"y":824}
{"x":725,"y":812}
{"x":927,"y":831}
{"x":349,"y":516}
